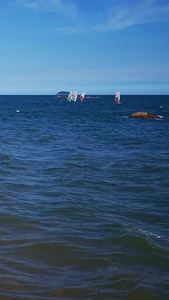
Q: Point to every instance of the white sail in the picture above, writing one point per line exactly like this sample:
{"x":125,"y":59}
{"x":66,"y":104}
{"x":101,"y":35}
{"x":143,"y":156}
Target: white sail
{"x":70,"y":96}
{"x":74,"y":98}
{"x":117,"y":97}
{"x":82,"y":96}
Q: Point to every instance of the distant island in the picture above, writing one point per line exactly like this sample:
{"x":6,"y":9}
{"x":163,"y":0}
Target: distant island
{"x":65,"y":94}
{"x":62,"y":94}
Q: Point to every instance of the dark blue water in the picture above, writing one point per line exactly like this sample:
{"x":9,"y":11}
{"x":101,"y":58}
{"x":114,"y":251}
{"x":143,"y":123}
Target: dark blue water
{"x":84,"y":198}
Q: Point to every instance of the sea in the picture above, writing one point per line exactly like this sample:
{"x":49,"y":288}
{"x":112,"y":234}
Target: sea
{"x":84,"y":198}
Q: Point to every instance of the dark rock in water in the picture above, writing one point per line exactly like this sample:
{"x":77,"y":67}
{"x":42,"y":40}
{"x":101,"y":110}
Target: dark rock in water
{"x":144,"y":115}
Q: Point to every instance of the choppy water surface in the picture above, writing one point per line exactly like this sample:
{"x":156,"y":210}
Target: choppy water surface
{"x":84,"y":198}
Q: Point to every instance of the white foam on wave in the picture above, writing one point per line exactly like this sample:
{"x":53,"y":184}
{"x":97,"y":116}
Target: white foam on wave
{"x":148,"y":233}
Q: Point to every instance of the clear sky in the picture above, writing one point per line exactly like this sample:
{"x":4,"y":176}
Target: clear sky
{"x":95,"y":46}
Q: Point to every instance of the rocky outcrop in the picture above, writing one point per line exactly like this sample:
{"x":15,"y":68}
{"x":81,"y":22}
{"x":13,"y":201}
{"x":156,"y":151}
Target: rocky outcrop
{"x":144,"y":115}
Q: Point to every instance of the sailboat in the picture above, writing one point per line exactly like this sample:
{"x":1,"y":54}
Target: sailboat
{"x":74,"y":98}
{"x":70,"y":96}
{"x":82,"y":96}
{"x":117,"y":97}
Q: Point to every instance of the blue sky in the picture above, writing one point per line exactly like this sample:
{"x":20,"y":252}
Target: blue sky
{"x":96,"y":46}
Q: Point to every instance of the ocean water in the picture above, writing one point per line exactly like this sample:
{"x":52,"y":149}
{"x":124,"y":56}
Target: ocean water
{"x":84,"y":198}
